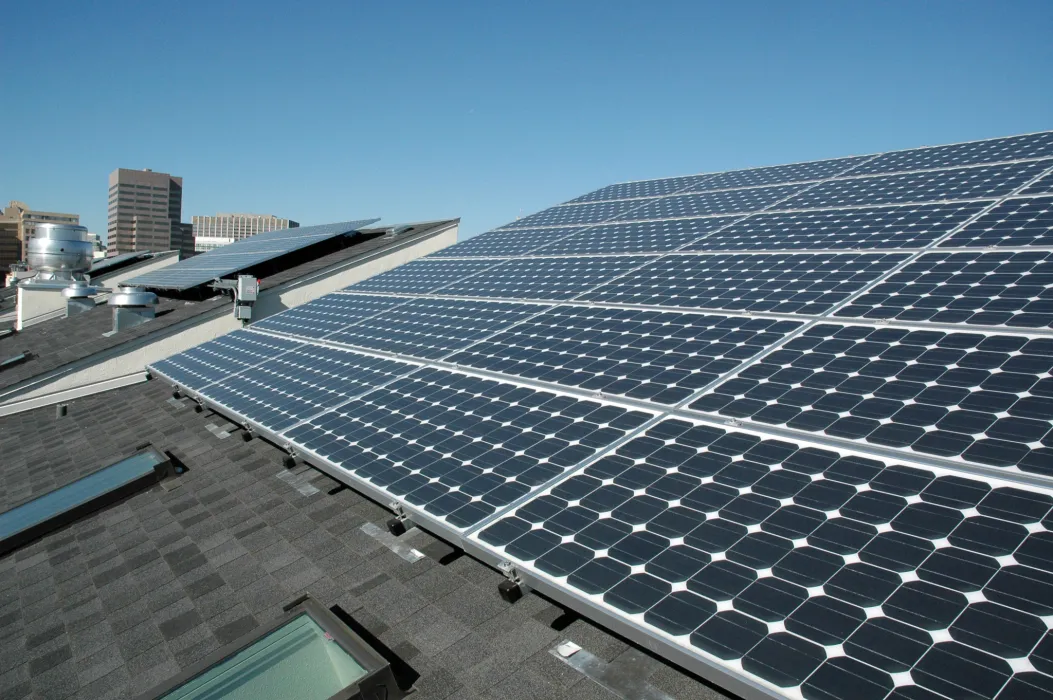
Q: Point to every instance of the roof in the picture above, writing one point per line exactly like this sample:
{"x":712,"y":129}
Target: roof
{"x":61,"y":341}
{"x":123,"y":599}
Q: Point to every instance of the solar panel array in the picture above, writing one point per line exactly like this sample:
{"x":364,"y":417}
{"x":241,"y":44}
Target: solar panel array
{"x":790,"y":426}
{"x":243,"y":254}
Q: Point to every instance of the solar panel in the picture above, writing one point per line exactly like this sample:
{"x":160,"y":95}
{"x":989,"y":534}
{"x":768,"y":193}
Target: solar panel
{"x":319,"y":318}
{"x":1043,"y":185}
{"x":642,"y":188}
{"x":423,"y":276}
{"x":789,"y":427}
{"x":983,"y":398}
{"x":545,"y":278}
{"x":993,"y":289}
{"x":807,"y":283}
{"x":704,"y":203}
{"x":460,"y":447}
{"x":905,"y":226}
{"x":505,"y":242}
{"x":100,"y":265}
{"x":639,"y":237}
{"x":976,"y":182}
{"x":990,"y":151}
{"x":1014,"y":222}
{"x":816,"y":572}
{"x":661,"y":357}
{"x":243,"y":254}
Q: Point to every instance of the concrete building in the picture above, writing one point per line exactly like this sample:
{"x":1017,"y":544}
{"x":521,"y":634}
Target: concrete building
{"x":183,"y":240}
{"x":214,"y":231}
{"x":143,"y":207}
{"x":18,"y":221}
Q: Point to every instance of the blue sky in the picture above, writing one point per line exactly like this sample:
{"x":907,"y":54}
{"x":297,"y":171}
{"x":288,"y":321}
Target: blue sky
{"x":413,"y":110}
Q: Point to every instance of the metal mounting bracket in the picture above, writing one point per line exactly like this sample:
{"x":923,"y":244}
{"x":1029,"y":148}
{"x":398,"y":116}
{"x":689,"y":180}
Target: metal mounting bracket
{"x":398,"y":525}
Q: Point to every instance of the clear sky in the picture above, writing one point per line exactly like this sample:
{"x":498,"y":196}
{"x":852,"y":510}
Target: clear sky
{"x":414,"y":110}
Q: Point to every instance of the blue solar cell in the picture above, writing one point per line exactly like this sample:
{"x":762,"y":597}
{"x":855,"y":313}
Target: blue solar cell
{"x":544,"y":278}
{"x":505,"y":242}
{"x":217,"y":359}
{"x":1014,"y":222}
{"x":318,"y":318}
{"x":976,"y":182}
{"x":906,"y":226}
{"x":422,"y":276}
{"x":638,"y":237}
{"x":795,"y":172}
{"x":459,"y":447}
{"x":658,"y":356}
{"x":805,"y":283}
{"x":707,"y":203}
{"x":641,"y":188}
{"x":990,"y":151}
{"x":300,"y":383}
{"x":981,"y":398}
{"x":992,"y":289}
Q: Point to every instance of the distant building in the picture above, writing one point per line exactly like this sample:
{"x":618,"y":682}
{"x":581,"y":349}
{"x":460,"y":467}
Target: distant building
{"x":97,"y":247}
{"x":143,"y":208}
{"x":219,"y":230}
{"x":17,"y":223}
{"x":183,"y":240}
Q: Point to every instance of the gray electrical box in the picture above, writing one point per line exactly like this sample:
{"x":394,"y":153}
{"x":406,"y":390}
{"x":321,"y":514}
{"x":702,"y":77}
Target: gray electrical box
{"x":248,"y":288}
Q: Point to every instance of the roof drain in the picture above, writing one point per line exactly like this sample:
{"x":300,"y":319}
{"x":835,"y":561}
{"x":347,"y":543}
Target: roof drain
{"x":132,"y":306}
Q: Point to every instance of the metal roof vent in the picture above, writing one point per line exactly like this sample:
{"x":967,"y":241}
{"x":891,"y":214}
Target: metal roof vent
{"x":79,"y":297}
{"x":59,"y":252}
{"x":132,"y":306}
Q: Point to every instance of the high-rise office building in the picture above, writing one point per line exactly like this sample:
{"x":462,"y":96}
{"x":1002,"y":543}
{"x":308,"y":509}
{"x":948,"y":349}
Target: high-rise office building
{"x":143,"y":207}
{"x":17,"y":223}
{"x":219,"y":230}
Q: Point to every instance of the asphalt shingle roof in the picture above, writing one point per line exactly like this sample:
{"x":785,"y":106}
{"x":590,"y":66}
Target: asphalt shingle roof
{"x":123,"y":599}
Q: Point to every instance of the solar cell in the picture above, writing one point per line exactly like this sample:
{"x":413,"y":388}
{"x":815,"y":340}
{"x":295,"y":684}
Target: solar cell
{"x":804,"y":283}
{"x":905,"y":226}
{"x":243,"y":254}
{"x":706,"y":203}
{"x":99,"y":266}
{"x":976,"y":182}
{"x":432,"y":328}
{"x":641,"y":188}
{"x":658,"y":356}
{"x":1014,"y":222}
{"x":809,"y":570}
{"x":209,"y":362}
{"x":795,"y":172}
{"x":1043,"y":185}
{"x":505,"y":242}
{"x":298,"y":384}
{"x":574,"y":214}
{"x":980,"y":398}
{"x":638,"y":237}
{"x":461,"y":447}
{"x":544,"y":278}
{"x":989,"y":151}
{"x":422,"y":276}
{"x":993,"y":289}
{"x":318,"y":318}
